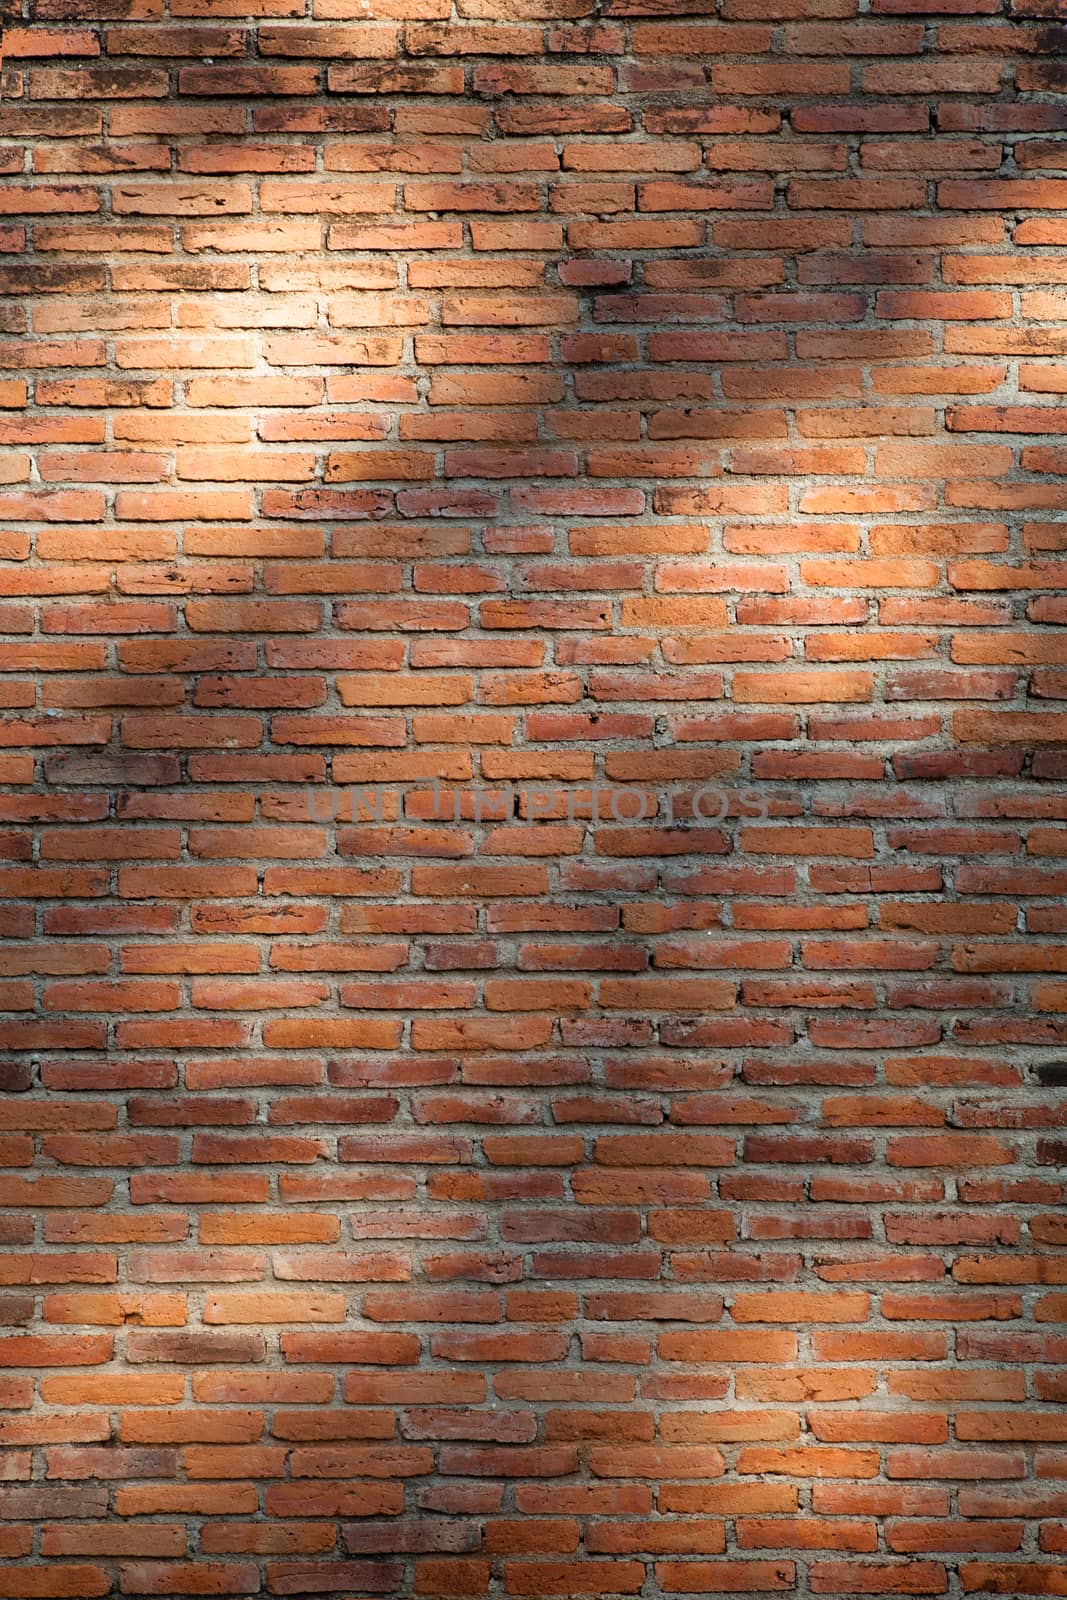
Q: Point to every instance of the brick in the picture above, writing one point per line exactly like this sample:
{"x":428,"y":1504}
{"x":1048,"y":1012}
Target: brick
{"x":617,"y":1084}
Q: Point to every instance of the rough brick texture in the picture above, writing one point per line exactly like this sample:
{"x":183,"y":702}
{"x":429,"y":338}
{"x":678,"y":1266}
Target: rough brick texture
{"x":509,"y":1187}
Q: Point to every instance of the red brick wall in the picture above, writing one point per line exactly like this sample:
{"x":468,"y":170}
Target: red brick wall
{"x":547,"y":1202}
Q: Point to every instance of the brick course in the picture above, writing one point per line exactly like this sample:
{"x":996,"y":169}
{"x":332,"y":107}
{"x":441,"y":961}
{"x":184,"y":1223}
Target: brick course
{"x":533,"y":949}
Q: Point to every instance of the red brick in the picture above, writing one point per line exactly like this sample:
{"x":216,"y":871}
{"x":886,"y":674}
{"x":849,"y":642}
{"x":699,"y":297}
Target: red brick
{"x":569,"y":1117}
